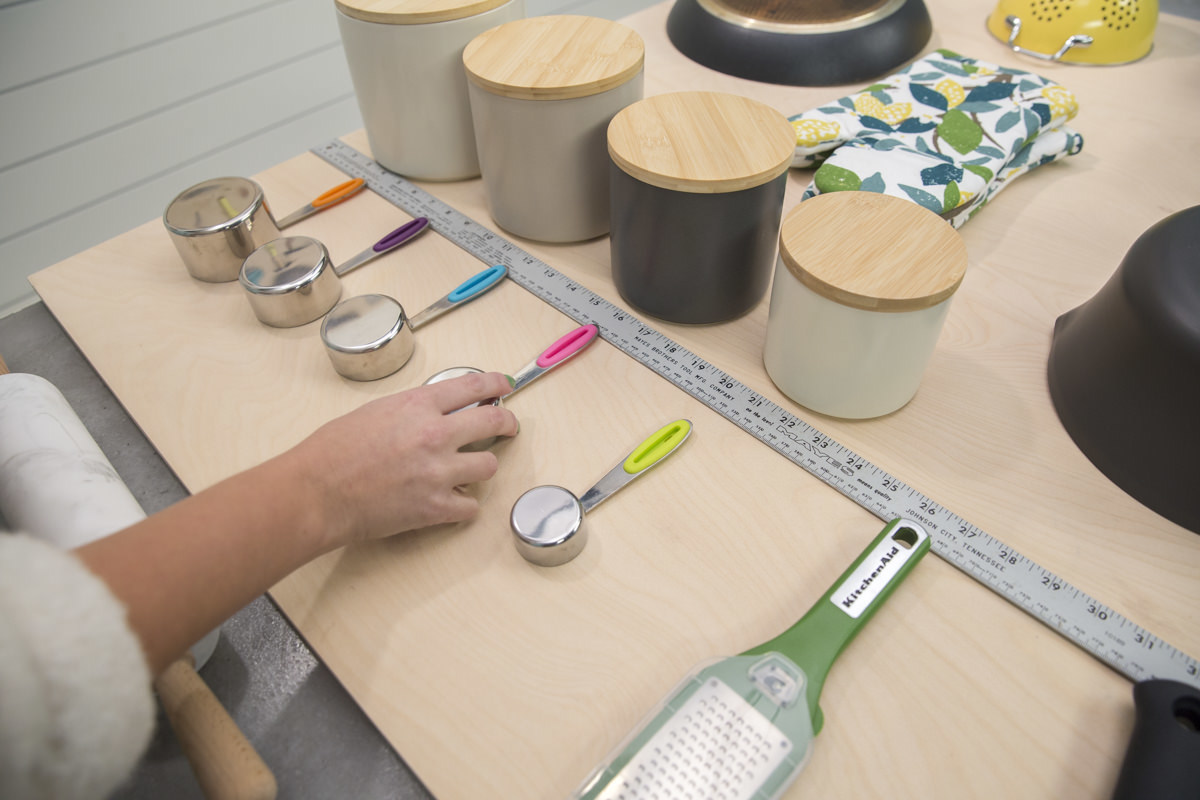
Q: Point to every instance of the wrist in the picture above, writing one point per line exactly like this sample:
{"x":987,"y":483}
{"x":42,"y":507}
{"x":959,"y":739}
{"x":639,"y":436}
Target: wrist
{"x":304,"y":497}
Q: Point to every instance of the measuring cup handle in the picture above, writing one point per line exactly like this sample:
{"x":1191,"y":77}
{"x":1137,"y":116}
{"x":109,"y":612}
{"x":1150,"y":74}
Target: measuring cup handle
{"x":652,"y":450}
{"x":405,"y":233}
{"x":466,"y":291}
{"x":563,"y":348}
{"x":567,"y":346}
{"x":477,"y":284}
{"x":343,"y":191}
{"x":338,"y":194}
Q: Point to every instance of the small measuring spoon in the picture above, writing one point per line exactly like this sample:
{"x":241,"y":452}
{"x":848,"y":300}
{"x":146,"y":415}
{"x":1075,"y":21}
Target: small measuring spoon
{"x":338,"y":194}
{"x":547,"y":521}
{"x":289,"y":281}
{"x":563,"y":348}
{"x":369,"y":337}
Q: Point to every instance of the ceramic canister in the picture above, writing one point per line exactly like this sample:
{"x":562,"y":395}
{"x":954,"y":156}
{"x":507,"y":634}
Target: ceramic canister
{"x":862,"y":286}
{"x":697,"y":186}
{"x":405,"y":59}
{"x":542,"y":93}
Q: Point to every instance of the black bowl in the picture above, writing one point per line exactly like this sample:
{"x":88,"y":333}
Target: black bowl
{"x":804,"y":44}
{"x":1124,"y":371}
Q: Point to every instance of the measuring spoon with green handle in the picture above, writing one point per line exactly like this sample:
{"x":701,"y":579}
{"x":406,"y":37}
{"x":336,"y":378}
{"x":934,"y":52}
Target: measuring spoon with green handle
{"x":743,"y":726}
{"x":547,"y":521}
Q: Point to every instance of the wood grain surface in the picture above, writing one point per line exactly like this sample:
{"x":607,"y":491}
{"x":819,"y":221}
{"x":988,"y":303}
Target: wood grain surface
{"x":495,"y":678}
{"x":703,"y":142}
{"x":414,"y":12}
{"x":872,"y":251}
{"x":555,"y":57}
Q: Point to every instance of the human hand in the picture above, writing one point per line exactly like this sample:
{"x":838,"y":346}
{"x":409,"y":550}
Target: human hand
{"x":394,"y":464}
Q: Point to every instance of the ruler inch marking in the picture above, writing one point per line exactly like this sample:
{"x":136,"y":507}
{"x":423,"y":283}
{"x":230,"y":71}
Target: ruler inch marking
{"x":1043,"y":595}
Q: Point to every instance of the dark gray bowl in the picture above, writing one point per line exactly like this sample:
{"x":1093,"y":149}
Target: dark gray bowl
{"x":1124,"y":371}
{"x":802,"y":44}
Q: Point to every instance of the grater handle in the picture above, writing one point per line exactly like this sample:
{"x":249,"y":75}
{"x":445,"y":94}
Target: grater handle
{"x":815,"y":642}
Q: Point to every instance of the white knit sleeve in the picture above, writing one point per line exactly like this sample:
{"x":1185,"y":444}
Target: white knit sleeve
{"x":76,"y":706}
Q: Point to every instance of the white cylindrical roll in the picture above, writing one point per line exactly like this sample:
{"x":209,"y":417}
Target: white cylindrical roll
{"x":55,"y":481}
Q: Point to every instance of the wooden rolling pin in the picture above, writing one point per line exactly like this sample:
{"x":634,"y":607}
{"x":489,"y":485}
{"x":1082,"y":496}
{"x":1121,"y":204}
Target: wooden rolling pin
{"x":56,"y":484}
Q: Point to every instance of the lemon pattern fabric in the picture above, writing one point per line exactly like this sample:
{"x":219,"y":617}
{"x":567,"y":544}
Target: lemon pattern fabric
{"x":947,"y":132}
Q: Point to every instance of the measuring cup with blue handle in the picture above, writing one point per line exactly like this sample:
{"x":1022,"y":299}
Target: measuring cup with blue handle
{"x":369,"y":337}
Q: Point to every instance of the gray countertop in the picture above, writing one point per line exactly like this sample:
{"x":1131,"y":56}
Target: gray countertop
{"x":301,"y":721}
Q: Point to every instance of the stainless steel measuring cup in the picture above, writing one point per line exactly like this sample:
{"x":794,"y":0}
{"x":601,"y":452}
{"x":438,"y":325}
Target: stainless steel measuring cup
{"x":369,"y":337}
{"x":547,"y":521}
{"x":217,"y":223}
{"x":289,"y":281}
{"x":563,"y":348}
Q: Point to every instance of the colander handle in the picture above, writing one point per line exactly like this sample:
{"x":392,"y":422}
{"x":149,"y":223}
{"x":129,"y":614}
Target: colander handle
{"x":1076,"y":40}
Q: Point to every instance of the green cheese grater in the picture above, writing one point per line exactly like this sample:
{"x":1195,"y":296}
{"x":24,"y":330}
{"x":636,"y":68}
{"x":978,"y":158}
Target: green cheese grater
{"x":741,"y":728}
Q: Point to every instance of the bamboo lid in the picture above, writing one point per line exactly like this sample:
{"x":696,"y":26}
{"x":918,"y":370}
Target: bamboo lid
{"x":872,"y":251}
{"x":414,"y":12}
{"x":701,"y":142}
{"x":554,"y":57}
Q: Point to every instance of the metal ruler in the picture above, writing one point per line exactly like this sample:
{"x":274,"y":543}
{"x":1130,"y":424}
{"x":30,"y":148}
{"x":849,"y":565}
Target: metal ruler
{"x":1115,"y":640}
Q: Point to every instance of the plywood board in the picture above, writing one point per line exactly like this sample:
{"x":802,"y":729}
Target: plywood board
{"x":495,"y":678}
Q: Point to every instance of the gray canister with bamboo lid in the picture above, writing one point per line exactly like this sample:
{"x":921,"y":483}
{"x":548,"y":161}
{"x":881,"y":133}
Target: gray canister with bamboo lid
{"x":862,"y":288}
{"x":697,"y":187}
{"x":405,"y":60}
{"x":542,"y":93}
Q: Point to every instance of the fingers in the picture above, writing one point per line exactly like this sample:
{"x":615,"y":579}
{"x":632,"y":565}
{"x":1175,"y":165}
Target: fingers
{"x":463,"y":391}
{"x":451,"y":501}
{"x":454,"y":506}
{"x":481,"y":422}
{"x":471,"y":468}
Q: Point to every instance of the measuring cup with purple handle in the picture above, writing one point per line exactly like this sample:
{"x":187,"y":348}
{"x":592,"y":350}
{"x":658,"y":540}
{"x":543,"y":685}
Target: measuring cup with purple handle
{"x":290,"y":281}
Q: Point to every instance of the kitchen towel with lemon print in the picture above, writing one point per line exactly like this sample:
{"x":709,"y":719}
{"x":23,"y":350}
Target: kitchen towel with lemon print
{"x":947,"y":132}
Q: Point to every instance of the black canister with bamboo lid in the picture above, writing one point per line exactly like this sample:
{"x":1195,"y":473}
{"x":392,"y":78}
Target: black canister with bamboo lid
{"x":697,"y":187}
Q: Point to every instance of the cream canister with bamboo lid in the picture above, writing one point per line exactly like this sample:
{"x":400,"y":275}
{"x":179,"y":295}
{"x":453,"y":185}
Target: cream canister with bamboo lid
{"x":405,"y":60}
{"x":697,"y":187}
{"x":862,"y":287}
{"x":542,"y":92}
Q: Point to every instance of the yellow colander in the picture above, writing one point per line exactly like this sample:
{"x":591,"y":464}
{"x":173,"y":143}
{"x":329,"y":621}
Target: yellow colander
{"x":1077,"y":31}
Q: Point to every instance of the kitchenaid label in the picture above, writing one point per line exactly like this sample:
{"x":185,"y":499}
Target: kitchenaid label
{"x":855,"y":594}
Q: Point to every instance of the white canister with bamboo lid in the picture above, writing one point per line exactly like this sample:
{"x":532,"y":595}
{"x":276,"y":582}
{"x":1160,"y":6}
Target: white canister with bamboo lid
{"x":863,"y":283}
{"x":542,"y":93}
{"x":405,"y":60}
